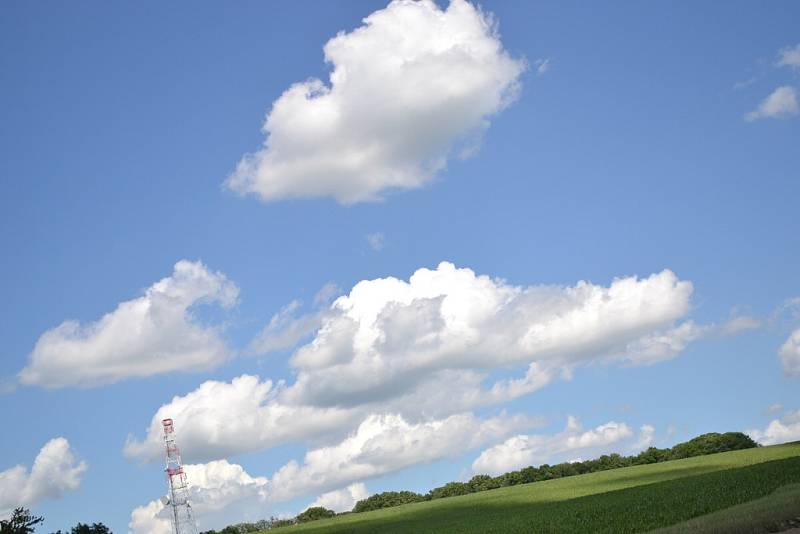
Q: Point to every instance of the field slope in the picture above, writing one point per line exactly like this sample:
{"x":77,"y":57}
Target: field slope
{"x":776,"y":512}
{"x":631,"y":499}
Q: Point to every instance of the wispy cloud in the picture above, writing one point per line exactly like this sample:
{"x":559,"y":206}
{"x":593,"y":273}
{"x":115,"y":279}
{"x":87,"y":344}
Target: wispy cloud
{"x":789,"y":57}
{"x":542,"y":65}
{"x":780,"y":104}
{"x":745,"y":83}
{"x":376,"y":241}
{"x":151,"y":334}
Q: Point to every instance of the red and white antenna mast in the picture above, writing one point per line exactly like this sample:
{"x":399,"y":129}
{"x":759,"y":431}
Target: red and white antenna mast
{"x":178,"y":497}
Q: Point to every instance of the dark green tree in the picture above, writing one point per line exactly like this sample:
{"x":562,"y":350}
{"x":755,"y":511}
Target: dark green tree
{"x":20,"y":522}
{"x":387,"y":499}
{"x":94,"y":528}
{"x":451,"y":489}
{"x":711,"y":443}
{"x":230,"y":529}
{"x":483,"y":483}
{"x":314,"y":513}
{"x":652,"y":455}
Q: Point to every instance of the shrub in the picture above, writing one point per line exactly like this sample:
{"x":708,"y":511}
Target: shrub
{"x":314,"y":513}
{"x":387,"y":499}
{"x":451,"y":489}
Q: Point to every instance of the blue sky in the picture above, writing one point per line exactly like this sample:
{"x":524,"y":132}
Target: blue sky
{"x":629,"y":152}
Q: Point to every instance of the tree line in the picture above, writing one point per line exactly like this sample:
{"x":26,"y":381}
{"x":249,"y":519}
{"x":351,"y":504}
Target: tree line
{"x":701,"y":445}
{"x":710,"y":443}
{"x":311,"y":514}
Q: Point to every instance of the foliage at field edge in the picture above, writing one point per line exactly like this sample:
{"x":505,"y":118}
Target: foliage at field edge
{"x":701,"y":445}
{"x":704,"y":444}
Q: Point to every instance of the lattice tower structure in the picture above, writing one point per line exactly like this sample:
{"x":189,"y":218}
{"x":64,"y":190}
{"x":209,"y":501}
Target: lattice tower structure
{"x":178,"y":497}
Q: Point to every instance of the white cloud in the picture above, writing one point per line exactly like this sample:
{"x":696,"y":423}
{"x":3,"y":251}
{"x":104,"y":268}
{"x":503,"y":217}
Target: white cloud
{"x":152,"y":334}
{"x":524,"y":450}
{"x":647,"y":434}
{"x":219,"y":419}
{"x":775,"y":408}
{"x":780,"y":104}
{"x":342,"y":500}
{"x":792,"y":417}
{"x":385,"y":443}
{"x":739,"y":323}
{"x":789,"y":57}
{"x":220,"y":493}
{"x":779,"y":430}
{"x":55,"y":471}
{"x":150,"y":518}
{"x":666,"y":344}
{"x":389,"y":336}
{"x":512,"y":454}
{"x":285,"y":329}
{"x":789,"y":354}
{"x":790,"y":307}
{"x":376,"y":241}
{"x":406,"y":87}
{"x":426,"y":349}
{"x":663,"y":345}
{"x":326,"y":294}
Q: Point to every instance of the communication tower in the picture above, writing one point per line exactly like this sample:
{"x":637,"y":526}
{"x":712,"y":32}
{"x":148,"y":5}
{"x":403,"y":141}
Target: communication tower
{"x":178,"y":496}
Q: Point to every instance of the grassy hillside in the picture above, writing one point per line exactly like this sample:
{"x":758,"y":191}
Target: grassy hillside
{"x":776,"y":512}
{"x":632,"y":499}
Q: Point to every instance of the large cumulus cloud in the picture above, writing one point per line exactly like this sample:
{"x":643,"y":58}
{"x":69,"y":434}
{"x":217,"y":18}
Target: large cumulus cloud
{"x":427,"y":348}
{"x":55,"y":471}
{"x":152,"y":334}
{"x":406,"y":87}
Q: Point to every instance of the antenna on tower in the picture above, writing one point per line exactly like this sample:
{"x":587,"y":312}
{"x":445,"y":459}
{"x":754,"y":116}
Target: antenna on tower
{"x":178,"y":497}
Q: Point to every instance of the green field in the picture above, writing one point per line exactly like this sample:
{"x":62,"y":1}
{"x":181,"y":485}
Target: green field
{"x":631,"y":499}
{"x":772,"y":513}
